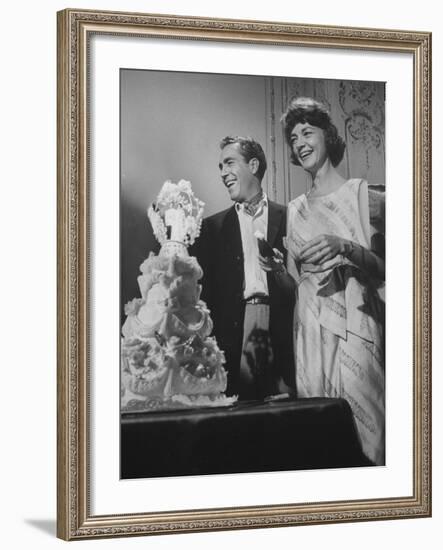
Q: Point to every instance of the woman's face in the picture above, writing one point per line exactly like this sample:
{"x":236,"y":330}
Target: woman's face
{"x":309,"y":146}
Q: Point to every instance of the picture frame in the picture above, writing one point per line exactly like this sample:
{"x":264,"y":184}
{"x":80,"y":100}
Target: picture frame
{"x":78,"y":207}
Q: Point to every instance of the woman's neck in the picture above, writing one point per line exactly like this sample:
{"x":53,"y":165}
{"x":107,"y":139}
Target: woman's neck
{"x":326,"y":179}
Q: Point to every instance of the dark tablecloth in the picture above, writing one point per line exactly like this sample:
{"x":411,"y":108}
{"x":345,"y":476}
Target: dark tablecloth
{"x":248,"y":437}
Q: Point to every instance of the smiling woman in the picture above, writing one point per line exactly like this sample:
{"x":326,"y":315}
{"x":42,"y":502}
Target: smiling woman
{"x":314,"y":141}
{"x":308,"y":144}
{"x":335,"y":255}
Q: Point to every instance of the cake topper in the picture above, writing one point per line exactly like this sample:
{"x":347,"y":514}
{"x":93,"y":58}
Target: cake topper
{"x":177,"y":214}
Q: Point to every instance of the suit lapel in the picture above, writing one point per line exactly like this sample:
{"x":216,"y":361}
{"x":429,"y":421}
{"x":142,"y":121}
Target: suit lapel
{"x":274,"y":220}
{"x":231,"y":235}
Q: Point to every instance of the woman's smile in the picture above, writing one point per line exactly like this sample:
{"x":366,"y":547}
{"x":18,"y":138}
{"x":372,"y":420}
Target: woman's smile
{"x":308,"y":144}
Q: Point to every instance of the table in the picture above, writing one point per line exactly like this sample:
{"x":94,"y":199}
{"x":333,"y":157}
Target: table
{"x":293,"y":434}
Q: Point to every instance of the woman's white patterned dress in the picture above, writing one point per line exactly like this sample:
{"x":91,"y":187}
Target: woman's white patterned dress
{"x":339,"y":316}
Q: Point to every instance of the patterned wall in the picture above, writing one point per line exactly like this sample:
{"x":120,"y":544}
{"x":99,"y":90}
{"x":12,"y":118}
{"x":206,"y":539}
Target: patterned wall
{"x":358,"y":110}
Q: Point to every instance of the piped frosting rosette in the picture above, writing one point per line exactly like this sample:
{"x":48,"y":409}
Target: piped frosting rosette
{"x":199,"y":368}
{"x":170,"y":303}
{"x":146,"y":369}
{"x":166,"y":269}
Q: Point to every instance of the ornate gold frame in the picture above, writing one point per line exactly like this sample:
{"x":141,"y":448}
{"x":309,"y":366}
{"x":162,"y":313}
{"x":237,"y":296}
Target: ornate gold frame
{"x":74,"y":30}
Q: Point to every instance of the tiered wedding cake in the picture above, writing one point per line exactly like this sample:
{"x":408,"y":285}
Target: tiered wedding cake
{"x":168,"y":358}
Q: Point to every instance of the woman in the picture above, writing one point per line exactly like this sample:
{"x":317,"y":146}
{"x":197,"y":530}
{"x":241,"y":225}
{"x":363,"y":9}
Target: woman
{"x":336,"y":258}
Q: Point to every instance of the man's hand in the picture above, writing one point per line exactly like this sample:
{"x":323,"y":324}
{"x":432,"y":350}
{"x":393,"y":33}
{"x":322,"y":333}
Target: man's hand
{"x":273,"y":264}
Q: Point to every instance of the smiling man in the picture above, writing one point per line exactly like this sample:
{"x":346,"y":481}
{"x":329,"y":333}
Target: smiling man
{"x":252,"y":314}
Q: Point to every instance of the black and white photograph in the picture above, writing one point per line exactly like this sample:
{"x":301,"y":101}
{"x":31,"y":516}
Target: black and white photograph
{"x":221,"y":223}
{"x":252,"y":273}
{"x":243,"y":299}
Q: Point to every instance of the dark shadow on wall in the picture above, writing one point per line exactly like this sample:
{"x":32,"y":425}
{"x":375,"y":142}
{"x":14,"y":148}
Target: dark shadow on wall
{"x":137,"y":240}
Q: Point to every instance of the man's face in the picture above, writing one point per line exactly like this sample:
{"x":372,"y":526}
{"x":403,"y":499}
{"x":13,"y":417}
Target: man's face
{"x":237,"y":174}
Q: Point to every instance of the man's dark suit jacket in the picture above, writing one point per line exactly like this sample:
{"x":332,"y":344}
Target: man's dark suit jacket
{"x":219,"y":252}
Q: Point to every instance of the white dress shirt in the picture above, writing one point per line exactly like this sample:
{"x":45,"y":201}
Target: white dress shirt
{"x":255,"y":278}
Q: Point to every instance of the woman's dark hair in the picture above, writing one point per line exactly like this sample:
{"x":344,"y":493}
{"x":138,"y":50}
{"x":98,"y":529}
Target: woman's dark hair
{"x":306,"y":110}
{"x":249,"y":149}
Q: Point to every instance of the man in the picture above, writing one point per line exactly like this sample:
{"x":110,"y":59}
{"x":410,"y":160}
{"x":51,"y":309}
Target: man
{"x":252,"y":314}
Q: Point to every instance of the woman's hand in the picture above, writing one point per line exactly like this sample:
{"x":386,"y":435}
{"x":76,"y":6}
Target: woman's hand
{"x":273,"y":264}
{"x":322,"y":248}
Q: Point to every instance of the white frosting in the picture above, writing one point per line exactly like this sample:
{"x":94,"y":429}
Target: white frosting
{"x":166,"y":347}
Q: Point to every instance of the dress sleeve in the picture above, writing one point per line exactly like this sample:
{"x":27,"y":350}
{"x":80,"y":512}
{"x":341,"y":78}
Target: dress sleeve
{"x":363,"y":204}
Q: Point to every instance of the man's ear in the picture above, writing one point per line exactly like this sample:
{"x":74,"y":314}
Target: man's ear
{"x":254,"y":165}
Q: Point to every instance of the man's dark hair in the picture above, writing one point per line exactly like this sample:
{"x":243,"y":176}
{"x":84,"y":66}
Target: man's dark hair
{"x":303,"y":110}
{"x":249,"y":149}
